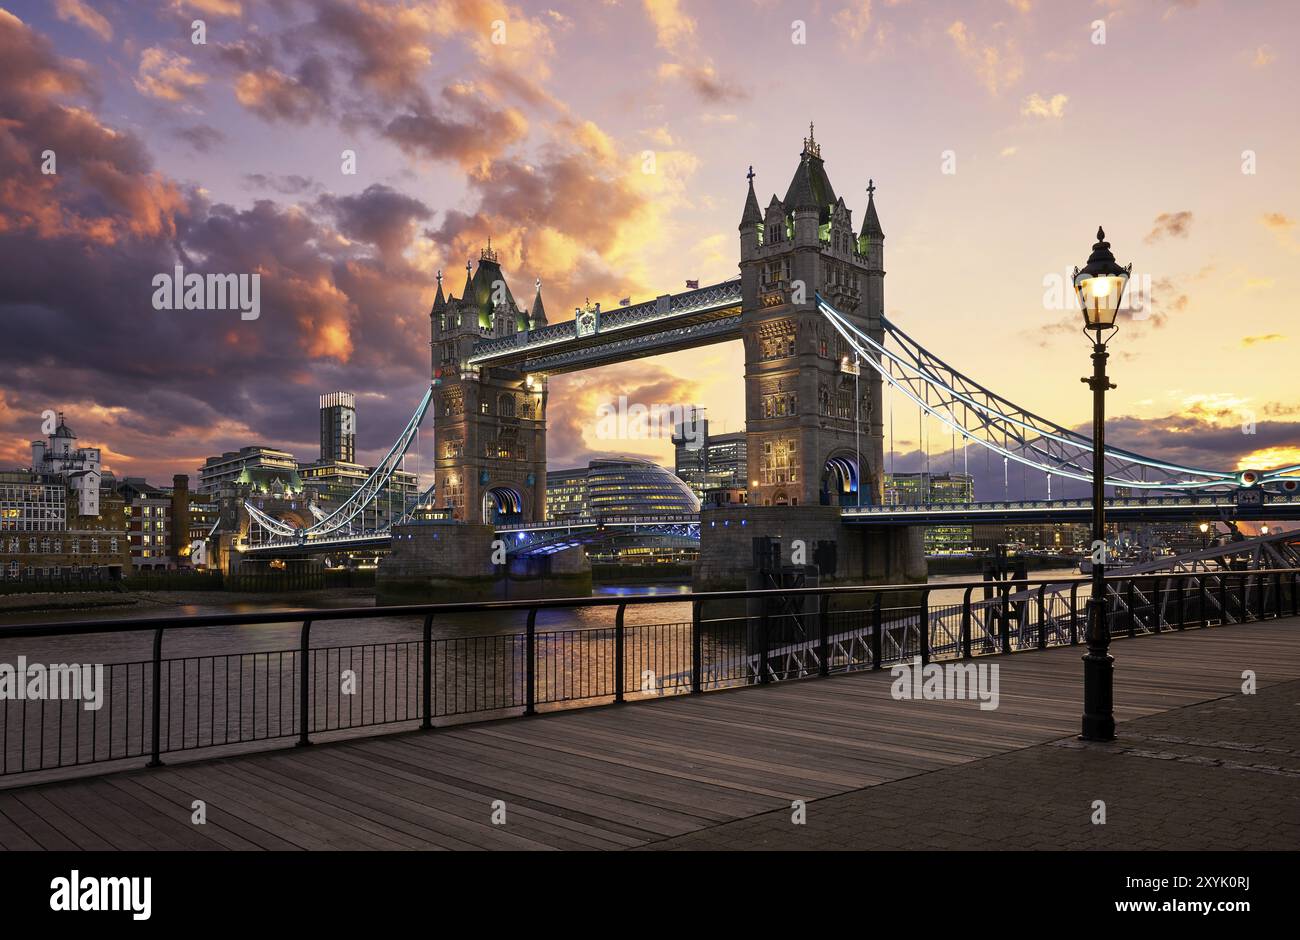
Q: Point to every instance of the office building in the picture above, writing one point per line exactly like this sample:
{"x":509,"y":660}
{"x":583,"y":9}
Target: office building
{"x":338,"y":427}
{"x":707,"y":462}
{"x":935,"y":488}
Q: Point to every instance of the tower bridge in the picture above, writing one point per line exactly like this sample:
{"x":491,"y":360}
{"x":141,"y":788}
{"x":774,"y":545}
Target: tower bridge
{"x":820,"y":357}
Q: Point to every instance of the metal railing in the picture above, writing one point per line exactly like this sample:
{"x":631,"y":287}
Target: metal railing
{"x":165,"y":705}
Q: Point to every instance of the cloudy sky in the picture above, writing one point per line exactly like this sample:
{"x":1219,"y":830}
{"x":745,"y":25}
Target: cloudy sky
{"x":603,"y":147}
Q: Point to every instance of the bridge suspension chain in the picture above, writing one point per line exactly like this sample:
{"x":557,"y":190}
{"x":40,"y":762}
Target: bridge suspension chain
{"x":362,"y":498}
{"x":983,"y":416}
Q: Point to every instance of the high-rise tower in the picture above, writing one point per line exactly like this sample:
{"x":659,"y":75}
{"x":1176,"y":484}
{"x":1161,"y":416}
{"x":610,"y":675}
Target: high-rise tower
{"x":813,"y":413}
{"x":338,"y":427}
{"x":489,"y":423}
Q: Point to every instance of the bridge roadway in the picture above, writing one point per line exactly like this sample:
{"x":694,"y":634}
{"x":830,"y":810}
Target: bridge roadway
{"x":1187,"y":508}
{"x":722,"y":768}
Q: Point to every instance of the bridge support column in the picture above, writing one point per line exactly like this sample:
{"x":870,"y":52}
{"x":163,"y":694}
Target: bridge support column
{"x":446,"y":562}
{"x":861,"y":554}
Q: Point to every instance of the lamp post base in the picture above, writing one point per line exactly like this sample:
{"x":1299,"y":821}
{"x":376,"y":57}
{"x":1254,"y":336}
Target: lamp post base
{"x":1098,"y":703}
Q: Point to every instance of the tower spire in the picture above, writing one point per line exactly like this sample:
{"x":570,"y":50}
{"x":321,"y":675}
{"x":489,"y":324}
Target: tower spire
{"x":439,"y":301}
{"x":751,"y":215}
{"x":810,"y":146}
{"x":871,"y":221}
{"x":537,"y":316}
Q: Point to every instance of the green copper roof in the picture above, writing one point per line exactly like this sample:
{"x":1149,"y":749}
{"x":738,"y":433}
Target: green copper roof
{"x":810,"y":188}
{"x":481,"y":289}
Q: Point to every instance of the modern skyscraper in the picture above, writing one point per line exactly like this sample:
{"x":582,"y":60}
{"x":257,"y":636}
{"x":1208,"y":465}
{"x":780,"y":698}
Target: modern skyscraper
{"x":709,"y":462}
{"x":940,"y":488}
{"x":338,"y":427}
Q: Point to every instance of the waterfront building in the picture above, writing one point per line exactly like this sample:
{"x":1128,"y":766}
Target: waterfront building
{"x":62,"y":517}
{"x":938,"y":488}
{"x":624,"y":486}
{"x":236,"y":467}
{"x":566,"y":494}
{"x":707,"y":462}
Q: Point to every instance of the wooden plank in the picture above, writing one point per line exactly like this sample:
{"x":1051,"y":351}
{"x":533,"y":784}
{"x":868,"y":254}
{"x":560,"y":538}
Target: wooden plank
{"x":12,"y":836}
{"x":82,"y":836}
{"x":470,"y":803}
{"x":400,"y":806}
{"x":626,"y":775}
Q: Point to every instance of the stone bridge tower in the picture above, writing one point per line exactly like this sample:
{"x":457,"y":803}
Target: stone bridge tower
{"x":811,"y":440}
{"x":490,"y":423}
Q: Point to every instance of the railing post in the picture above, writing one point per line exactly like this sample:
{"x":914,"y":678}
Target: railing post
{"x":923,"y":628}
{"x":1182,"y":603}
{"x":1004,"y":616}
{"x":426,"y":684}
{"x":965,"y":623}
{"x":1128,"y":602}
{"x":530,"y":663}
{"x":1042,"y":617}
{"x":619,"y":641}
{"x":697,"y":649}
{"x":1295,"y":602}
{"x":877,"y":641}
{"x":304,"y":675}
{"x":155,"y":760}
{"x":763,"y":624}
{"x":1202,"y":597}
{"x":823,"y":635}
{"x":1155,"y":605}
{"x":1223,"y":599}
{"x":1074,"y":614}
{"x":1277,"y":596}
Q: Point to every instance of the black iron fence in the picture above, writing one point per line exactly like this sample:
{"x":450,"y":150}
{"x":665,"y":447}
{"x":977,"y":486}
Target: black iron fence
{"x":163,"y":705}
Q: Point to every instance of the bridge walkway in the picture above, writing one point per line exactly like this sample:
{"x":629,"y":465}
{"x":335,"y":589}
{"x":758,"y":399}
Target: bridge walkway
{"x":635,"y":774}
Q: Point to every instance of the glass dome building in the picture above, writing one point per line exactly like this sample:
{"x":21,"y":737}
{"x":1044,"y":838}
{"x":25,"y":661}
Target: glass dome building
{"x":624,"y":486}
{"x":631,"y":486}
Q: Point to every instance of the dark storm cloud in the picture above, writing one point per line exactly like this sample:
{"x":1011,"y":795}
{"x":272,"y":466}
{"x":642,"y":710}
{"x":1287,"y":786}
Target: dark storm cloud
{"x":81,"y":250}
{"x":201,"y":137}
{"x":291,"y":184}
{"x":380,"y":215}
{"x":464,"y":129}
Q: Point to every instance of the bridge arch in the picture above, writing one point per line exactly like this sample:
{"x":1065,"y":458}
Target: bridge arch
{"x":840,"y":480}
{"x":503,"y":505}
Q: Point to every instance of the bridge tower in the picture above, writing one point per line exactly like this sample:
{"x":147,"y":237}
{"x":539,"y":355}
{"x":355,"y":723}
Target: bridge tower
{"x":490,"y":423}
{"x":813,"y":416}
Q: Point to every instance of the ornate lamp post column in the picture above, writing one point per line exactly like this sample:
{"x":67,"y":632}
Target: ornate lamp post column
{"x":1100,"y":287}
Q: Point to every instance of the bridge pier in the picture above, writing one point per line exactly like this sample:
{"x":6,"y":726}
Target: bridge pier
{"x":446,"y":562}
{"x":861,"y":554}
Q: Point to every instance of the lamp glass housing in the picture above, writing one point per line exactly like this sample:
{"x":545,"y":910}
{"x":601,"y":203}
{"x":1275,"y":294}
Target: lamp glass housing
{"x":1099,"y":298}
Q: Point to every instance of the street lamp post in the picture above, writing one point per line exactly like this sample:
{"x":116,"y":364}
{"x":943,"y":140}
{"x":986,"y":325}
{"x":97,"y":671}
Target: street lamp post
{"x":1100,"y":287}
{"x":857,"y":425}
{"x":1205,"y":528}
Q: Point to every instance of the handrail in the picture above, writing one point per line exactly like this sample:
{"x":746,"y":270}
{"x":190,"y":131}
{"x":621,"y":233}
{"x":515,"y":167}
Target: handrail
{"x":77,"y":628}
{"x":526,"y":670}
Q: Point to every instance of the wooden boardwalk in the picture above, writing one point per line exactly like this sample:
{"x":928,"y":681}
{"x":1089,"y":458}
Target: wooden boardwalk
{"x":627,"y":775}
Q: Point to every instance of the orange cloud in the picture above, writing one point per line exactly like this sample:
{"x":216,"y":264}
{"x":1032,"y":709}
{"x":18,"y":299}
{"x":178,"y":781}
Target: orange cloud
{"x":997,"y":67}
{"x":167,"y":76}
{"x":76,"y":11}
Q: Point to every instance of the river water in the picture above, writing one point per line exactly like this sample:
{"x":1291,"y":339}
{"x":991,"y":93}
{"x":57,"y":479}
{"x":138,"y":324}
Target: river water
{"x":136,"y":645}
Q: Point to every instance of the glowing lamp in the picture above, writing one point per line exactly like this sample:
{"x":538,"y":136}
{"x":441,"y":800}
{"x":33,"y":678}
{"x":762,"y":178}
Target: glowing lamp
{"x":1100,"y":286}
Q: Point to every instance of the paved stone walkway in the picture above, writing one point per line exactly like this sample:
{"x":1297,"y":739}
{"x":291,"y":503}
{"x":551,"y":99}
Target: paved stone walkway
{"x":1223,"y":774}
